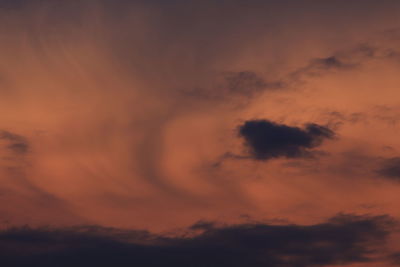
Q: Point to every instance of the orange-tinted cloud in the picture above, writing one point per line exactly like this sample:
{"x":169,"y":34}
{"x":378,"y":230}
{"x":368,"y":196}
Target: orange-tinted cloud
{"x":126,"y":113}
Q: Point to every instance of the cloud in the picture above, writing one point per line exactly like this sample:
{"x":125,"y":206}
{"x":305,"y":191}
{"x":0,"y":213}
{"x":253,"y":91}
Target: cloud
{"x":346,"y":59}
{"x":267,"y":139}
{"x":340,"y":240}
{"x":320,"y":66}
{"x":394,"y":258}
{"x":329,"y":62}
{"x":233,"y":86}
{"x":100,"y":88}
{"x":15,"y":143}
{"x":244,"y":81}
{"x":390,"y":169}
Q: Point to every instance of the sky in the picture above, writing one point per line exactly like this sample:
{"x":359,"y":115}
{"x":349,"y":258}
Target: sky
{"x":200,"y":133}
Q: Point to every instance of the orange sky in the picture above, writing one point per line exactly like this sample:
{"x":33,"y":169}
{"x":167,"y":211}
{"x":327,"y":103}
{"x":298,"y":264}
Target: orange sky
{"x":128,"y":113}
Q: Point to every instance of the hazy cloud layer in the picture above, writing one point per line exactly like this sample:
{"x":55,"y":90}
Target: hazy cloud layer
{"x":114,"y":113}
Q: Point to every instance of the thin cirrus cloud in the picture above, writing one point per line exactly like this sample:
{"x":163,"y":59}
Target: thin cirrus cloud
{"x":114,"y":113}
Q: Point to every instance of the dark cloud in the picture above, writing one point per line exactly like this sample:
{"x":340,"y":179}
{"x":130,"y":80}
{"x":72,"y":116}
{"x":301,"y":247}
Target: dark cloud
{"x":15,"y":143}
{"x":267,"y":139}
{"x":321,"y":66}
{"x":19,"y":147}
{"x":10,"y":136}
{"x":340,"y":240}
{"x":346,"y":59}
{"x":394,"y":258}
{"x":390,"y":169}
{"x":329,"y":62}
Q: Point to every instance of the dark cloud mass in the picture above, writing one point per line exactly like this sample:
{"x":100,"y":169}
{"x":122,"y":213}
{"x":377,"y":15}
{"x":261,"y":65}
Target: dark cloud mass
{"x":340,"y":240}
{"x":267,"y":139}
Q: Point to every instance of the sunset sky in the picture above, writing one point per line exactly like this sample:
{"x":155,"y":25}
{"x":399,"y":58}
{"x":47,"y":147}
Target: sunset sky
{"x":189,"y":133}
